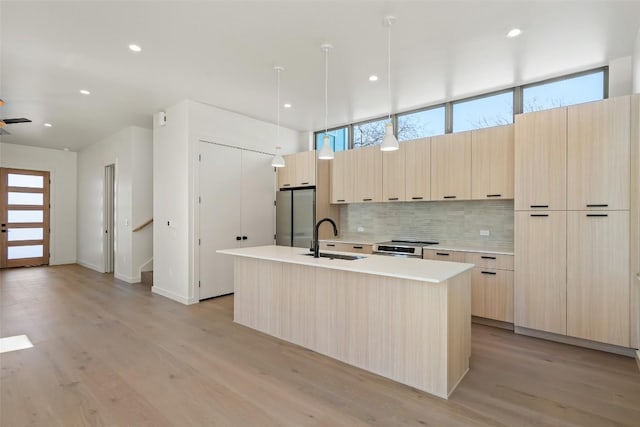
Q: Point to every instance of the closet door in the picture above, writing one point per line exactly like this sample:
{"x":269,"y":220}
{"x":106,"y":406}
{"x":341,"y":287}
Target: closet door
{"x":258,"y":194}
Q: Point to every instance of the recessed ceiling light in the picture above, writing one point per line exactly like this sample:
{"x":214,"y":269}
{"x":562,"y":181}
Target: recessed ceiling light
{"x":514,"y":32}
{"x":48,"y":125}
{"x":373,"y":78}
{"x":287,"y":105}
{"x":66,"y":148}
{"x":85,"y":92}
{"x":135,"y":48}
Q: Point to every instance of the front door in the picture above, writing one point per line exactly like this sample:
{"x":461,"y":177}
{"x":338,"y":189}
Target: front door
{"x":24,"y":216}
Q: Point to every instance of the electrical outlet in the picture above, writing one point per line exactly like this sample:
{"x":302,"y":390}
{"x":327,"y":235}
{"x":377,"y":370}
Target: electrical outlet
{"x":485,"y":232}
{"x":360,"y":229}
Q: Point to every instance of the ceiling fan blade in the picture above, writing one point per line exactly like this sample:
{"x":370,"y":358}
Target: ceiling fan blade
{"x":4,"y":132}
{"x":20,"y":120}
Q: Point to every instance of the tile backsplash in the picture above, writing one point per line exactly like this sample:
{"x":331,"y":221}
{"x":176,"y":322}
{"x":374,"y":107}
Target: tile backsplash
{"x":440,"y":221}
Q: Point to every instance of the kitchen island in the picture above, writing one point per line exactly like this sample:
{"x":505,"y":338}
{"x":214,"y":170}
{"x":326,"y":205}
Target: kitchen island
{"x":405,"y":319}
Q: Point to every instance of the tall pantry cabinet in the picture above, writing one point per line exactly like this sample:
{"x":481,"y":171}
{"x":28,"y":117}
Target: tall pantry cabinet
{"x":572,"y":221}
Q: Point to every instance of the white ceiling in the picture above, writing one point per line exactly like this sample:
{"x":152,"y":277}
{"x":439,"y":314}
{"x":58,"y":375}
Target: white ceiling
{"x":223,"y":52}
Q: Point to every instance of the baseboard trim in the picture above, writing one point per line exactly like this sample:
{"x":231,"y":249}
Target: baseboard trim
{"x":638,"y":358}
{"x":171,"y":295}
{"x":609,"y":348}
{"x":63,"y":262}
{"x":128,"y":279}
{"x":91,"y":266}
{"x":491,"y":322}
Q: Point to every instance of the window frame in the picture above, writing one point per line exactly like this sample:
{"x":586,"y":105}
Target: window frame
{"x":420,"y":110}
{"x":481,"y":96}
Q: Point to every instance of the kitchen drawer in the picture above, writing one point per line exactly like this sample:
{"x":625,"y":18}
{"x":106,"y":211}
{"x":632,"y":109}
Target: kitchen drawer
{"x":492,"y":294}
{"x":346,"y":247}
{"x":438,"y":255}
{"x":482,"y":260}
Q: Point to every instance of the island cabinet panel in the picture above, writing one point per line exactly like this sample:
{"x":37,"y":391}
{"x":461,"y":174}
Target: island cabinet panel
{"x":417,"y":169}
{"x":414,"y":332}
{"x":368,"y":162}
{"x":492,"y":163}
{"x":541,"y":160}
{"x":451,"y":166}
{"x":343,"y":177}
{"x":598,"y":276}
{"x":598,"y":155}
{"x":541,"y":271}
{"x":393,"y":175}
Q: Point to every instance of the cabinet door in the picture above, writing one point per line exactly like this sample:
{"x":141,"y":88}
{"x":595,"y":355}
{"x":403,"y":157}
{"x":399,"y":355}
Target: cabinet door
{"x":451,"y":166}
{"x":305,"y":171}
{"x":541,"y":270}
{"x":598,"y":276}
{"x":541,"y":160}
{"x":418,"y":169}
{"x":343,"y":177}
{"x":492,"y":162}
{"x":492,"y":294}
{"x":393,"y":175}
{"x":287,"y":174}
{"x":598,"y":155}
{"x":443,"y":255}
{"x":368,"y":174}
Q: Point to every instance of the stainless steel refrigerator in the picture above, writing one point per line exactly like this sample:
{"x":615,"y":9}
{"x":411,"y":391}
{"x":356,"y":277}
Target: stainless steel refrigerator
{"x":295,"y":217}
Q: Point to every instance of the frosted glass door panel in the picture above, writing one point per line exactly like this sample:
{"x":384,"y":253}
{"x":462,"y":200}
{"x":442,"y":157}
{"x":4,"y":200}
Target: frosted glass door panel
{"x":24,"y":216}
{"x":29,"y":181}
{"x":32,"y":251}
{"x":25,"y":198}
{"x":16,"y":234}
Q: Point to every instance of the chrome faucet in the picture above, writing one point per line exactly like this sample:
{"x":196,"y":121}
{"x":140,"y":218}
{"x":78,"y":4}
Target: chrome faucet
{"x":316,"y":244}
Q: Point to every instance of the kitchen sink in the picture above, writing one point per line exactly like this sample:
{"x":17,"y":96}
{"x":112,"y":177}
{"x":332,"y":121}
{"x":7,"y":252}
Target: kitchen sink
{"x":339,"y":256}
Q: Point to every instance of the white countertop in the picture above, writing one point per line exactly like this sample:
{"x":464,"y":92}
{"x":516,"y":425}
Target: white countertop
{"x":402,"y":268}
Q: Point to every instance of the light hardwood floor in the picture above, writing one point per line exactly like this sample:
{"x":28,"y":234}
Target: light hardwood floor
{"x":109,"y":353}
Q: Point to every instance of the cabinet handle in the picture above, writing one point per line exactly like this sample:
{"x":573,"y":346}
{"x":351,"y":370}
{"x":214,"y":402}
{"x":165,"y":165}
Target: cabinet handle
{"x":449,"y":197}
{"x":238,"y":238}
{"x":538,"y":206}
{"x":367,"y":200}
{"x":597,"y":206}
{"x":393,"y":198}
{"x":597,"y":215}
{"x":286,"y":185}
{"x":304,"y":183}
{"x":442,"y":253}
{"x":357,"y":247}
{"x":331,"y":244}
{"x":488,"y":257}
{"x":340,"y":200}
{"x":494,"y":195}
{"x":493,"y":273}
{"x":416,"y":198}
{"x":539,"y":215}
{"x":244,"y":237}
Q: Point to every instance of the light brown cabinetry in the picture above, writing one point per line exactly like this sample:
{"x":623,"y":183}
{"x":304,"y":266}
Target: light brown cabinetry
{"x":443,"y":255}
{"x":368,"y":174}
{"x":492,"y":294}
{"x":541,"y":160}
{"x":598,"y":155}
{"x":393,"y":175}
{"x":417,"y":169}
{"x":540,"y":271}
{"x":361,"y":248}
{"x":492,"y":160}
{"x":299,"y":170}
{"x":343,"y":177}
{"x":598,"y":276}
{"x":451,"y":166}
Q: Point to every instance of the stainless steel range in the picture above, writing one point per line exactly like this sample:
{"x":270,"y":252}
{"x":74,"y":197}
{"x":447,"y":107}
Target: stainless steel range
{"x":401,"y":248}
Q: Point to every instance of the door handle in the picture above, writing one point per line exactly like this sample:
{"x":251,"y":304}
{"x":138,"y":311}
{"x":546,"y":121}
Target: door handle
{"x":244,"y":237}
{"x":238,"y":238}
{"x":3,"y":231}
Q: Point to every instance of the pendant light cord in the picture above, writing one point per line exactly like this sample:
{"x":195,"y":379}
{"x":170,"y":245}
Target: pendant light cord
{"x":278,"y":104}
{"x":326,"y":90}
{"x":389,"y":65}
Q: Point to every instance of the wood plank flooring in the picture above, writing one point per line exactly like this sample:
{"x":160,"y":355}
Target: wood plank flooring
{"x":110,"y":353}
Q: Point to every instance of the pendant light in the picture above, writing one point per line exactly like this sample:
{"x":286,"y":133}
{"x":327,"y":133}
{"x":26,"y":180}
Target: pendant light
{"x":326,"y":152}
{"x":278,"y":160}
{"x":389,"y":143}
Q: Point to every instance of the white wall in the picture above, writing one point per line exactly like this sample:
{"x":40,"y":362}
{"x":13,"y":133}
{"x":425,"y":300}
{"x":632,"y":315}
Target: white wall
{"x":620,"y":76}
{"x":174,"y":172}
{"x":62,"y":167}
{"x":636,"y":65}
{"x":126,"y":150}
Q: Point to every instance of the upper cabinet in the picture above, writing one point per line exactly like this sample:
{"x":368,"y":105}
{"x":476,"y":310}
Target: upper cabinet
{"x":598,"y":155}
{"x":393,"y":175}
{"x":417,"y":163}
{"x":451,"y":166}
{"x":492,"y":163}
{"x":343,"y":177}
{"x":541,"y":160}
{"x":368,"y":162}
{"x":299,"y":170}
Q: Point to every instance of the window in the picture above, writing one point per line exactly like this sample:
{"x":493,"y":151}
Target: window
{"x":563,"y":92}
{"x":491,"y":110}
{"x":421,"y":124}
{"x":369,"y":133}
{"x":339,"y":139}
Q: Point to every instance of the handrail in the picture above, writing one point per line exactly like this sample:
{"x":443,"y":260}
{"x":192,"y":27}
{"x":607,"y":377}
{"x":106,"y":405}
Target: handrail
{"x":140,"y":227}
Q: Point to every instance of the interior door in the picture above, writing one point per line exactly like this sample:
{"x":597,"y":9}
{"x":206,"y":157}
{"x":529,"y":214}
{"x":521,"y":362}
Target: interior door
{"x":220,"y":175}
{"x":24,"y":216}
{"x":258,"y":195}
